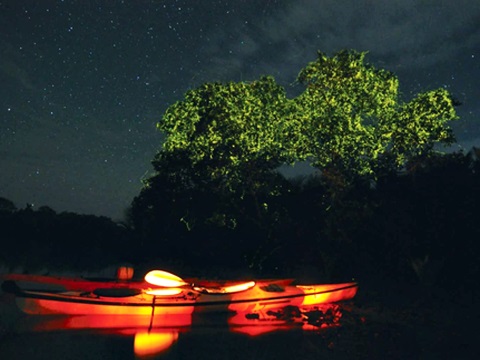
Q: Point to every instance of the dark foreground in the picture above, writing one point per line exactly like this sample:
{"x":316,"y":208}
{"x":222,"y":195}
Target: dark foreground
{"x":396,"y":324}
{"x":403,"y":324}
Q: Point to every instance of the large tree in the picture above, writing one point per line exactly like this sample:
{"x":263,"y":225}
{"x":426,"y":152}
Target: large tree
{"x":225,"y":142}
{"x":350,"y":118}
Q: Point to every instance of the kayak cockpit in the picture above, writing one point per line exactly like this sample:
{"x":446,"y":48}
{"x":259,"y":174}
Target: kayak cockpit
{"x":116,"y":292}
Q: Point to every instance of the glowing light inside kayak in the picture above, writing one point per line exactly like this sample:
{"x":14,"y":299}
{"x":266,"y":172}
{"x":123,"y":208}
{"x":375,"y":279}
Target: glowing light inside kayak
{"x":164,"y":291}
{"x":320,"y":294}
{"x":239,"y":287}
{"x":164,"y":279}
{"x":229,"y":289}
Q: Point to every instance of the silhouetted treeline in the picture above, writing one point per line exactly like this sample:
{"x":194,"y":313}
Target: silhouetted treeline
{"x":43,"y":239}
{"x":419,"y":227}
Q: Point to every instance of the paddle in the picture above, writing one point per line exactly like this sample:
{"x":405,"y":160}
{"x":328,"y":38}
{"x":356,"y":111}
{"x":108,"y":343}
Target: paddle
{"x":164,"y":279}
{"x":168,"y":280}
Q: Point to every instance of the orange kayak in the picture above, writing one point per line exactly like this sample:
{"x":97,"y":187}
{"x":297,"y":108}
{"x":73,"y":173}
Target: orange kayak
{"x":44,"y":295}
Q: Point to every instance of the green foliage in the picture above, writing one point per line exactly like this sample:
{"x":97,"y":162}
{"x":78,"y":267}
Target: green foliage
{"x":229,"y":130}
{"x":420,"y":124}
{"x":352,"y":117}
{"x":348,"y":121}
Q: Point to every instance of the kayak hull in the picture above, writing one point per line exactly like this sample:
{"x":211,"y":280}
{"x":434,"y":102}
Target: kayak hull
{"x":261,"y":297}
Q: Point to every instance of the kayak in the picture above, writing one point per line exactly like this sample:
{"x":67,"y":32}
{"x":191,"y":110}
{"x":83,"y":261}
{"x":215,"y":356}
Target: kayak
{"x":164,"y":294}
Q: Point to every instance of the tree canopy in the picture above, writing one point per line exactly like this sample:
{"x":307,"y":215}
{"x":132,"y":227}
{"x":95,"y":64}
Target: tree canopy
{"x":349,"y":118}
{"x":230,"y":132}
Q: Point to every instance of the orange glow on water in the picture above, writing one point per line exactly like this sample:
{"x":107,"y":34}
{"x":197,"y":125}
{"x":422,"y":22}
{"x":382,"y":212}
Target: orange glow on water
{"x":286,"y":318}
{"x":253,"y":330}
{"x":149,"y":344}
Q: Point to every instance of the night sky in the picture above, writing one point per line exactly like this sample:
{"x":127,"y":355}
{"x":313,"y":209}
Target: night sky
{"x":83,"y":83}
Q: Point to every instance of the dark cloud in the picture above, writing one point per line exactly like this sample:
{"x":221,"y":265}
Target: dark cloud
{"x":400,"y":34}
{"x":427,"y":43}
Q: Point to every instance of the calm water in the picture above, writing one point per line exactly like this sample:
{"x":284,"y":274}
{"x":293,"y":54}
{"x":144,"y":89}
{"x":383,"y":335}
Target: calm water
{"x":195,"y":344}
{"x":40,"y":337}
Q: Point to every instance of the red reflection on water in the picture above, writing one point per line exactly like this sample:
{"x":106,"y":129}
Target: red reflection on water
{"x":152,"y":343}
{"x":153,"y":335}
{"x":102,"y":322}
{"x":289,"y":317}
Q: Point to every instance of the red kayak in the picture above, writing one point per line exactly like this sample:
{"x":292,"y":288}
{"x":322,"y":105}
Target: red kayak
{"x":164,"y":294}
